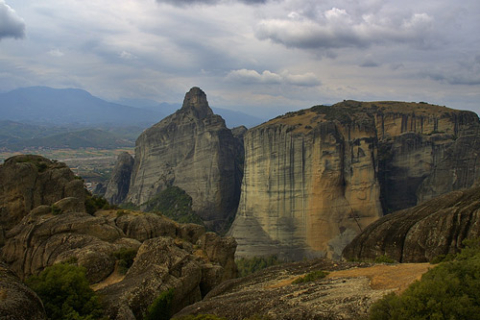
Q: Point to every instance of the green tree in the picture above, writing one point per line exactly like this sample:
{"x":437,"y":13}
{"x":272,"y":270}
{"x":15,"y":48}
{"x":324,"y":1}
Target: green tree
{"x":66,"y":294}
{"x":450,"y":291}
{"x":161,"y":307}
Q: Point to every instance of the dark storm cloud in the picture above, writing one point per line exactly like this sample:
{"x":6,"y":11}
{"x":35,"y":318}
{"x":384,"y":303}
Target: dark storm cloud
{"x":11,"y":25}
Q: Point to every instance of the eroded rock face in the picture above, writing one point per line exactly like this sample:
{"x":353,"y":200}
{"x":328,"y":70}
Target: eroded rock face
{"x":316,"y":178}
{"x":194,"y":150}
{"x":419,"y":234}
{"x":17,"y":301}
{"x":119,"y":183}
{"x":28,"y":181}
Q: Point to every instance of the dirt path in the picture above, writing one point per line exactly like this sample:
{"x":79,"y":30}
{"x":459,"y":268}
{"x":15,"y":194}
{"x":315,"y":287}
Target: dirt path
{"x":383,"y":276}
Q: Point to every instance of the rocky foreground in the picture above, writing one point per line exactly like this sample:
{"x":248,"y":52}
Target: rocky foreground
{"x":42,"y":227}
{"x":346,"y":293}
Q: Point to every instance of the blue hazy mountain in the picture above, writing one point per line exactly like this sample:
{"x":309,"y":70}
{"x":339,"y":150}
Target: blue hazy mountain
{"x":69,"y":106}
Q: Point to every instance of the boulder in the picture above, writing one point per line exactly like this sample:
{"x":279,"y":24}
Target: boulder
{"x":419,"y":234}
{"x":17,"y":301}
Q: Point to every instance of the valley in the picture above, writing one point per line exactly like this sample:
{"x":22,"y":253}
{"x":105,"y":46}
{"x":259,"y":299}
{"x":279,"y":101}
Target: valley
{"x":93,"y":165}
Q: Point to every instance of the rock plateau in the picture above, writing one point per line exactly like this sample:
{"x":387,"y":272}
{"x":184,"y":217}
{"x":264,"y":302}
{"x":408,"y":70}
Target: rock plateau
{"x":316,"y":178}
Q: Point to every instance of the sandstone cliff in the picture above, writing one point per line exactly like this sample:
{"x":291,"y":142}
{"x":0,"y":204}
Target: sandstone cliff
{"x":119,"y":183}
{"x":194,"y":150}
{"x":419,"y":234}
{"x":316,"y":178}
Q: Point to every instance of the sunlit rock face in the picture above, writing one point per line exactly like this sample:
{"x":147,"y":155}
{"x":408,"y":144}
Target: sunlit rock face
{"x":315,"y":178}
{"x":194,"y":150}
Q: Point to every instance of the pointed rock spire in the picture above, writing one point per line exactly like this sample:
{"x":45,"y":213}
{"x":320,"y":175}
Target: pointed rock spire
{"x":196,"y":101}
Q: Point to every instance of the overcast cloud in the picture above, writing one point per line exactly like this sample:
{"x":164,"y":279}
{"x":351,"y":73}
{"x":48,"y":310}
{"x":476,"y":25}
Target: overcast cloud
{"x":11,"y":25}
{"x":259,"y":56}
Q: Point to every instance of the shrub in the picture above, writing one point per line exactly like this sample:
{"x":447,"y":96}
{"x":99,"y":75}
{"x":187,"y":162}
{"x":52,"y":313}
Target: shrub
{"x":55,"y":210}
{"x":161,"y":308}
{"x":94,"y":203}
{"x":200,"y":317}
{"x":175,"y":203}
{"x":312,"y":276}
{"x":65,"y":293}
{"x":449,"y":291}
{"x":251,"y":265}
{"x":125,"y":258}
{"x":384,"y":259}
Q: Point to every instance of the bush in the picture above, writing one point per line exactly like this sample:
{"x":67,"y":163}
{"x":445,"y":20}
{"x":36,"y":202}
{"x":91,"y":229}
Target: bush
{"x":94,"y":203}
{"x":55,"y":210}
{"x":174,"y":203}
{"x":312,"y":276}
{"x":449,"y":291}
{"x":125,"y":258}
{"x":65,"y":293}
{"x":161,"y":308}
{"x":200,"y":317}
{"x":251,"y":265}
{"x":384,"y":259}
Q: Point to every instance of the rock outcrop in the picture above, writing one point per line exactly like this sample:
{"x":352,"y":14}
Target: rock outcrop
{"x":17,"y":301}
{"x":433,"y":228}
{"x":167,"y":255}
{"x":346,"y":293}
{"x":119,"y":183}
{"x":316,"y":178}
{"x":193,"y":150}
{"x":28,"y":181}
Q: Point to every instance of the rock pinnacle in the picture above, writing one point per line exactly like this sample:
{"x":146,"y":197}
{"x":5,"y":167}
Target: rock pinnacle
{"x":196,"y":100}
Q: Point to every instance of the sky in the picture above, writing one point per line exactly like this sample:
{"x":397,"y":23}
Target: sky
{"x":263,"y":57}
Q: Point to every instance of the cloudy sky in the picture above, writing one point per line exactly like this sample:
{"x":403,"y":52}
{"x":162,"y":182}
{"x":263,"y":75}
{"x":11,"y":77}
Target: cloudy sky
{"x":257,"y":56}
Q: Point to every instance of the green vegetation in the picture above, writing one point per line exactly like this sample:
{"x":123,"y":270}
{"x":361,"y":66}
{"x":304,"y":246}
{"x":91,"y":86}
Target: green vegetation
{"x":312,"y":276}
{"x":94,"y":203}
{"x":125,"y":258}
{"x":55,"y":210}
{"x":384,"y":259}
{"x":251,"y":265}
{"x":449,"y":291}
{"x":161,"y":308}
{"x":341,"y":114}
{"x":65,"y":293}
{"x":175,"y":203}
{"x":200,"y":317}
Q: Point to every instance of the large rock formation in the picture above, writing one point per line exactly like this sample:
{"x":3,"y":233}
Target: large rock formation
{"x":119,"y":183}
{"x":17,"y":301}
{"x":28,"y":181}
{"x":316,"y":178}
{"x":167,"y":255}
{"x":433,"y":228}
{"x":194,"y":150}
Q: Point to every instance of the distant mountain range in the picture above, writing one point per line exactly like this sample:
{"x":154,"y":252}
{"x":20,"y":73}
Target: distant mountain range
{"x":73,"y":118}
{"x":44,"y":105}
